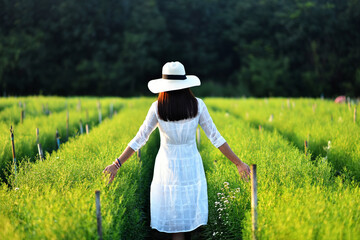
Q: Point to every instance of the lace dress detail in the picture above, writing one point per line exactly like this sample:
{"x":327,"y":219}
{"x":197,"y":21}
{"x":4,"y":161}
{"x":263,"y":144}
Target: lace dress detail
{"x":178,"y":194}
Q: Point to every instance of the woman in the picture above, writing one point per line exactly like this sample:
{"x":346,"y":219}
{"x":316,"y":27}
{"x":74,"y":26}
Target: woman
{"x":178,"y":196}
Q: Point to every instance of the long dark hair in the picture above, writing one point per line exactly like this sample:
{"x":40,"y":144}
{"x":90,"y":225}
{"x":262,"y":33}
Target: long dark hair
{"x":177,"y":105}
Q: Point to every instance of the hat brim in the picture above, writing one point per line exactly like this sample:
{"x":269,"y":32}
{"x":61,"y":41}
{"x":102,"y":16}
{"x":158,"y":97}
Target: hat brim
{"x":165,"y":85}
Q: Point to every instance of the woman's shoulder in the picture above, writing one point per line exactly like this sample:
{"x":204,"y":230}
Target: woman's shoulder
{"x":154,"y":107}
{"x":200,"y":102}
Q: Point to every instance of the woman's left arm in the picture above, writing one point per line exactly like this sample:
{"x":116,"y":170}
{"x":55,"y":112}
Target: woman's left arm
{"x":242,"y":167}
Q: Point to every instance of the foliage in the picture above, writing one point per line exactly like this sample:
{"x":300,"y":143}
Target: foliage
{"x":48,"y":114}
{"x":56,"y":199}
{"x":299,"y":196}
{"x":327,"y":127}
{"x":254,"y":48}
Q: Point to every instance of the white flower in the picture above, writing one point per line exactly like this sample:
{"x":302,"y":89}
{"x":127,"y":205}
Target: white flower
{"x":327,"y":148}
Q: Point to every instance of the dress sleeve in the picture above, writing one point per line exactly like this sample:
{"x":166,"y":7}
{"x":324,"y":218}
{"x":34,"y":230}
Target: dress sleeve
{"x":145,"y":130}
{"x":209,"y":127}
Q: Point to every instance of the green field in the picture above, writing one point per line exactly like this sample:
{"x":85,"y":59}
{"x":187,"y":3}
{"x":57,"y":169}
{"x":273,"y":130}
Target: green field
{"x":300,"y":196}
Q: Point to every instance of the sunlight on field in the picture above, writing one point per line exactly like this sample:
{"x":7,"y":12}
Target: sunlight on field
{"x":300,"y":196}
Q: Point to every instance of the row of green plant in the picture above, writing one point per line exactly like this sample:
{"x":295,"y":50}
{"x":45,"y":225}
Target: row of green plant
{"x":35,"y":106}
{"x":296,"y":198}
{"x":328,"y":128}
{"x":25,"y":137}
{"x":55,"y":198}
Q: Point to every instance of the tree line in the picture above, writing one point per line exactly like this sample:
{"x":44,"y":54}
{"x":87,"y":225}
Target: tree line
{"x":237,"y":48}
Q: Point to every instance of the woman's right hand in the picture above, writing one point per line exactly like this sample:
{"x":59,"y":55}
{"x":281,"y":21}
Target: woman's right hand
{"x":244,"y":171}
{"x":112,"y":170}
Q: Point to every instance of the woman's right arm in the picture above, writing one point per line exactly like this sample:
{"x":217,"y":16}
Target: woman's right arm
{"x":218,"y":141}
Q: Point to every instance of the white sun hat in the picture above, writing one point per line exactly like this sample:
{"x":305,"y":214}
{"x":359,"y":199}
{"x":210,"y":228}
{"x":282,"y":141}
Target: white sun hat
{"x":173,"y":78}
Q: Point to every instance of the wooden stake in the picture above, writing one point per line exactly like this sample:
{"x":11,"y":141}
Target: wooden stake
{"x":57,"y":139}
{"x":37,"y":135}
{"x":67,"y":125}
{"x":99,"y":110}
{"x":111,"y":110}
{"x":87,"y":115}
{"x":139,"y":154}
{"x":288,"y":103}
{"x":271,"y":118}
{"x":355,"y":115}
{"x":253,"y":200}
{"x":260,"y":128}
{"x":308,"y":140}
{"x":41,"y":155}
{"x":306,"y":147}
{"x":87,"y":129}
{"x":79,"y":105}
{"x":22,"y":116}
{"x":100,"y":116}
{"x":13,"y":152}
{"x":81,"y":127}
{"x":98,"y":214}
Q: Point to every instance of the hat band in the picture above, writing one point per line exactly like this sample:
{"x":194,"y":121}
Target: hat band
{"x":174,"y":77}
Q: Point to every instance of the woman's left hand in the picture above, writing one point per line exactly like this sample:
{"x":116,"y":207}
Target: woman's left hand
{"x":112,"y":170}
{"x":244,"y":171}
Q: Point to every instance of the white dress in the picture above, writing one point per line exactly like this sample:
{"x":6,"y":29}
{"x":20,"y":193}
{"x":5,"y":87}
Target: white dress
{"x":178,"y":194}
